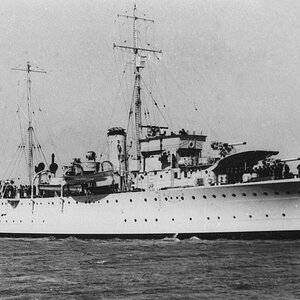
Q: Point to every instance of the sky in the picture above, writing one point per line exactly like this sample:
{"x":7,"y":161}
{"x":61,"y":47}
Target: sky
{"x":230,"y":69}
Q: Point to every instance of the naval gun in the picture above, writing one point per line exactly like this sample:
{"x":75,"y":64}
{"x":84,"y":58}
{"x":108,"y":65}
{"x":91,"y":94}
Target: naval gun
{"x":225,"y":148}
{"x":236,"y":144}
{"x":285,"y":160}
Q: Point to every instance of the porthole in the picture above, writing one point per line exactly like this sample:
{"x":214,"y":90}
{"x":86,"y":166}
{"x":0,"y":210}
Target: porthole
{"x":125,"y":220}
{"x":244,"y":195}
{"x":254,"y":194}
{"x":13,"y":221}
{"x":135,"y":220}
{"x":156,"y":220}
{"x":173,"y":219}
{"x":89,"y":202}
{"x":283,"y":214}
{"x":208,"y":218}
{"x":267,"y":216}
{"x":52,"y":203}
{"x":145,"y":220}
{"x":193,"y":197}
{"x":76,"y":202}
{"x":155,"y":199}
{"x":86,"y":202}
{"x":107,"y":201}
{"x":223,"y":195}
{"x":233,"y":195}
{"x":265,"y":193}
{"x":69,"y":202}
{"x":145,"y":199}
{"x":218,"y":218}
{"x":171,"y":197}
{"x":214,"y":196}
{"x":182,"y":198}
{"x":166,"y":198}
{"x":161,"y":176}
{"x":117,"y":201}
{"x":234,"y":217}
{"x":204,"y":196}
{"x":191,"y":219}
{"x":130,"y":200}
{"x":20,"y":221}
{"x":250,"y":216}
{"x":43,"y":221}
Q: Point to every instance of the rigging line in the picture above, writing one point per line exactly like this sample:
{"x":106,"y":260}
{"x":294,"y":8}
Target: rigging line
{"x":153,"y":75}
{"x":24,"y":153}
{"x":161,"y":97}
{"x":187,"y":98}
{"x":38,"y":147}
{"x":48,"y":131}
{"x":51,"y":139}
{"x":167,"y":97}
{"x":155,"y":103}
{"x":9,"y":135}
{"x":20,"y":125}
{"x":131,"y":105}
{"x":12,"y":163}
{"x":119,"y":79}
{"x":114,"y":106}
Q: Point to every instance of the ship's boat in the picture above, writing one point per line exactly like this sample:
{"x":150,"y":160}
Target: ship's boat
{"x":165,"y":187}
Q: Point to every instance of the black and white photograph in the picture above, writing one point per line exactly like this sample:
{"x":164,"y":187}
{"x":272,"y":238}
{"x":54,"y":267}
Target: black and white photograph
{"x":150,"y":149}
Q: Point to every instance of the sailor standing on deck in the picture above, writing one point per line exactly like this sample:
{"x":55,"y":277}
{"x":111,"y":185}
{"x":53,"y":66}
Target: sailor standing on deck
{"x":298,"y":168}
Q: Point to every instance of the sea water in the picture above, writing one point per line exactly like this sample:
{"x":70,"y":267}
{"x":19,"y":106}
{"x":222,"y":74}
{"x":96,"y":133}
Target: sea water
{"x":149,"y":269}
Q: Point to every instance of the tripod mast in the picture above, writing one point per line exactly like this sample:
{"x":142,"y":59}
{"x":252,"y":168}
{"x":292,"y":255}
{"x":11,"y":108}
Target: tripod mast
{"x":138,"y":66}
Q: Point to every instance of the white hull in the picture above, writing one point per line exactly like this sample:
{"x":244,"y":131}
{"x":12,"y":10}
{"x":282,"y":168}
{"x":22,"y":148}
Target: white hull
{"x":239,"y":210}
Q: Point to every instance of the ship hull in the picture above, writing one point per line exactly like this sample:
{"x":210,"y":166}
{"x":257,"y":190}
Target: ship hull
{"x":268,"y":210}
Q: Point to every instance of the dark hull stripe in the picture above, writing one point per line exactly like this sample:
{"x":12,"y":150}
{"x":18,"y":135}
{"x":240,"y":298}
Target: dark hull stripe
{"x":266,"y":235}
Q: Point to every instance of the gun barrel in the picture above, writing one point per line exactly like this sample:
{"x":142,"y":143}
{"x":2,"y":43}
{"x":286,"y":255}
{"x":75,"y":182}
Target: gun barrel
{"x":290,"y":159}
{"x":237,"y":144}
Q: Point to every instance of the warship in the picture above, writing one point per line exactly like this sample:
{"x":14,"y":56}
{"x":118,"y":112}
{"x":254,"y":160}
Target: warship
{"x":164,"y":188}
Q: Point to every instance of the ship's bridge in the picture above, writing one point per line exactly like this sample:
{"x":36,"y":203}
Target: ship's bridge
{"x":171,"y":151}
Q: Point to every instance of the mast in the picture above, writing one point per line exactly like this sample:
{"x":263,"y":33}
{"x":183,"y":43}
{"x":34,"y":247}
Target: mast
{"x":138,"y":66}
{"x":30,"y":118}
